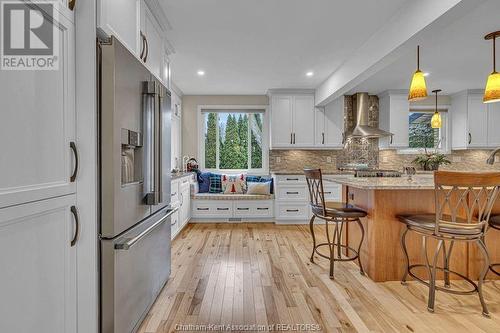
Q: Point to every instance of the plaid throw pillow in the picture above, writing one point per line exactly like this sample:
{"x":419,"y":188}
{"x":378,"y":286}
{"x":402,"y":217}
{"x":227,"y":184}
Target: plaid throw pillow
{"x":215,"y":184}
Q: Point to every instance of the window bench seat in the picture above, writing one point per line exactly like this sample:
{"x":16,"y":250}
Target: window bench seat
{"x":215,"y":207}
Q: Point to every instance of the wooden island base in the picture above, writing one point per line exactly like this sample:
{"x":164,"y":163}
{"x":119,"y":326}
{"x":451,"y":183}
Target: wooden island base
{"x":381,"y":253}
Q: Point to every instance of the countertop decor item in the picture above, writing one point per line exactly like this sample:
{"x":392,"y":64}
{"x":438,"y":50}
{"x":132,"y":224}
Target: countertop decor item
{"x":436,"y":117}
{"x":418,"y":88}
{"x":492,"y":90}
{"x":431,"y":161}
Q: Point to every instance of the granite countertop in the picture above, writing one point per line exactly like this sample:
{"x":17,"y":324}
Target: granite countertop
{"x":419,"y":182}
{"x":177,"y":175}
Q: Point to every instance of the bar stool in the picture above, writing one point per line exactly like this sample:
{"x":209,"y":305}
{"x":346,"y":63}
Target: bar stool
{"x":336,"y":213}
{"x":470,"y":195}
{"x":495,"y":224}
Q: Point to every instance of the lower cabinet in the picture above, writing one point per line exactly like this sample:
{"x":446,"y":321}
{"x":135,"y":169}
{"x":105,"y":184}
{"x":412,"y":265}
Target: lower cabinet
{"x":180,"y":199}
{"x":237,"y":209}
{"x":38,"y":279}
{"x":292,"y":198}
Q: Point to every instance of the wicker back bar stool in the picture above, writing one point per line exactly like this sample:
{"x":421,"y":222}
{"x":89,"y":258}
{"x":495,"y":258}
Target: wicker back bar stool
{"x":334,"y":214}
{"x":463,"y":205}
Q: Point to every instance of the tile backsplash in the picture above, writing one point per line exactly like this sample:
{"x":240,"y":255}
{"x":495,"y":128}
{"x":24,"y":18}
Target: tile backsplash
{"x":298,"y":160}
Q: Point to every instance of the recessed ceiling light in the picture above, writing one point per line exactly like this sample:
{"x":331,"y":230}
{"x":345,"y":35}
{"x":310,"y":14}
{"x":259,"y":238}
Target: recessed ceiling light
{"x":201,"y":73}
{"x":426,"y":74}
{"x":309,"y":73}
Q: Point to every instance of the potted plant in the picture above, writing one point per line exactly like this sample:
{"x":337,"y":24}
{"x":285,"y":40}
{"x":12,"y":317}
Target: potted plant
{"x":431,"y":161}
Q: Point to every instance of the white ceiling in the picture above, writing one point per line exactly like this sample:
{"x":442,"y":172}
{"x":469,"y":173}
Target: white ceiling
{"x":456,"y":57}
{"x":250,"y":46}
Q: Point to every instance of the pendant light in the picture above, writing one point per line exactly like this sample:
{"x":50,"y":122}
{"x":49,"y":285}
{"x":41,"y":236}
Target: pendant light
{"x":418,"y":89}
{"x":492,"y":91}
{"x":436,"y":117}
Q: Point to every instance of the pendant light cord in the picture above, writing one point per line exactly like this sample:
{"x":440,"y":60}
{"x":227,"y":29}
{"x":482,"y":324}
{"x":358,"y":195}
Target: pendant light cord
{"x":494,"y":60}
{"x":418,"y":57}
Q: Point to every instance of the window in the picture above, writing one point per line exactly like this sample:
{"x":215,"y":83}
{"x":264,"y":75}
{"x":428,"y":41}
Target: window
{"x":233,"y":140}
{"x":421,"y":134}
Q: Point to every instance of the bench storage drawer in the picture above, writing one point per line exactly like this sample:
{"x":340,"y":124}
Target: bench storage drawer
{"x":287,"y":211}
{"x":253,"y":208}
{"x":212,"y":209}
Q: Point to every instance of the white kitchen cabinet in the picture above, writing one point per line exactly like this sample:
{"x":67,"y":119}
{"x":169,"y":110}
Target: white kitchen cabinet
{"x":153,"y":35}
{"x":394,"y":115}
{"x":181,"y":199}
{"x":38,"y":279}
{"x":470,"y":123}
{"x":176,"y":131}
{"x":330,"y":125}
{"x":38,"y":125}
{"x":185,"y":207}
{"x":292,"y":121}
{"x":493,"y":125}
{"x":121,"y":19}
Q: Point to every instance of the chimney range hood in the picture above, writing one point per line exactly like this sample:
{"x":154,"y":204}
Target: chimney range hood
{"x":362,"y":129}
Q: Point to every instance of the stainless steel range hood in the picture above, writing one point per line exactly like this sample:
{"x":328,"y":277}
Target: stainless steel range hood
{"x":362,"y":129}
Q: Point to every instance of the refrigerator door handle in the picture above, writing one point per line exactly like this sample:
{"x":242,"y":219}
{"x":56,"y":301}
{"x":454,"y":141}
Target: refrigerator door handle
{"x":132,"y":241}
{"x":159,"y":142}
{"x":150,"y":91}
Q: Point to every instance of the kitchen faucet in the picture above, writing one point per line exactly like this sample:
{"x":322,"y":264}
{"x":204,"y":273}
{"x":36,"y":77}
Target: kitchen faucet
{"x":491,"y":158}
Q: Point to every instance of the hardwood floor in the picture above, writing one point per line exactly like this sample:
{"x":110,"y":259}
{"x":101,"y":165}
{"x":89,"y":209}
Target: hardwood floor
{"x":260,"y":274}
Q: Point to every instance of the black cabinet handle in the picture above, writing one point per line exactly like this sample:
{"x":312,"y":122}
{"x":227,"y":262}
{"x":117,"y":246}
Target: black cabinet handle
{"x":292,"y":210}
{"x":262,"y":208}
{"x":327,"y":192}
{"x":72,"y":145}
{"x":293,"y":138}
{"x":470,"y":138}
{"x":147,"y":49}
{"x":323,"y":138}
{"x":77,"y":225}
{"x":292,"y":192}
{"x":222,"y":208}
{"x":392,"y":137}
{"x":201,"y":208}
{"x":296,"y":179}
{"x":241,"y":208}
{"x":143,"y":46}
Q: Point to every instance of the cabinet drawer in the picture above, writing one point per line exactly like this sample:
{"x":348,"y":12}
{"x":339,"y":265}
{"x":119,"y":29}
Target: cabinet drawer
{"x":174,"y":192}
{"x":333,"y":192}
{"x":252,"y":209}
{"x":292,"y":211}
{"x":295,"y":193}
{"x":212,"y":209}
{"x":291,"y":179}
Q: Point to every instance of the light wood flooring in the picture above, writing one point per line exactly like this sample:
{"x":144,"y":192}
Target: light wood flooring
{"x":260,"y":274}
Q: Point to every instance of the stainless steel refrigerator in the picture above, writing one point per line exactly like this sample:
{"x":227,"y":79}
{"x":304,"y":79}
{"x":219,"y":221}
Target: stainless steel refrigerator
{"x":134,"y":164}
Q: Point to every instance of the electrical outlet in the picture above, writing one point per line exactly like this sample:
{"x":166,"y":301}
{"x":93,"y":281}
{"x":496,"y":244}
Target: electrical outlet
{"x":328,"y":159}
{"x":278,"y":159}
{"x":457,"y":159}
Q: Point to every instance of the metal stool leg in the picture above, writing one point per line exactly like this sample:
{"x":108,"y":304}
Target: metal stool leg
{"x":446,"y":263}
{"x":486,"y":267}
{"x":358,"y":221}
{"x":339,"y":238}
{"x":405,"y":252}
{"x":311,"y":227}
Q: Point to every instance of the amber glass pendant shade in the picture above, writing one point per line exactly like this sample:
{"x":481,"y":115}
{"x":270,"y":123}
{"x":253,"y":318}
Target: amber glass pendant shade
{"x":436,"y":120}
{"x":492,"y":90}
{"x":418,"y":88}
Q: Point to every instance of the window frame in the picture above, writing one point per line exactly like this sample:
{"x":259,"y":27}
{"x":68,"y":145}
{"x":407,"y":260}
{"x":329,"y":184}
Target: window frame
{"x":235,"y":108}
{"x":445,"y":133}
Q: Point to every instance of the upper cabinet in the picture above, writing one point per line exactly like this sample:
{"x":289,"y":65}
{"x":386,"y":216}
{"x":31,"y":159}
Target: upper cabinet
{"x":176,"y":131}
{"x":330,"y":125}
{"x":292,"y":121}
{"x":140,"y":26}
{"x":394,"y":111}
{"x":473,"y":123}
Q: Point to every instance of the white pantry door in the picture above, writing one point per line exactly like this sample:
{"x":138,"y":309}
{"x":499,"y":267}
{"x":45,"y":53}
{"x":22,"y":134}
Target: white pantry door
{"x":37,"y":126}
{"x":38,"y":276}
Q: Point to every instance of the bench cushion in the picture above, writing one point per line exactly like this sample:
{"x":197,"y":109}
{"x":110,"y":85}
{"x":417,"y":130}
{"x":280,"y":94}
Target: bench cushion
{"x":217,"y":196}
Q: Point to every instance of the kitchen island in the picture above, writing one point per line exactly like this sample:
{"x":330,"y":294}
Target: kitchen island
{"x":383,"y":199}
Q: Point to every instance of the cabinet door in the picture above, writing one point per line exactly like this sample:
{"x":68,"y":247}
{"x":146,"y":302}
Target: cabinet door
{"x":176,"y":142}
{"x":303,"y":121}
{"x":320,"y":135}
{"x":119,"y":18}
{"x":155,"y":51}
{"x":493,"y":123}
{"x":185,"y":204}
{"x":38,"y":124}
{"x":477,"y":117}
{"x":281,"y":122}
{"x":334,"y":123}
{"x":38,"y":280}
